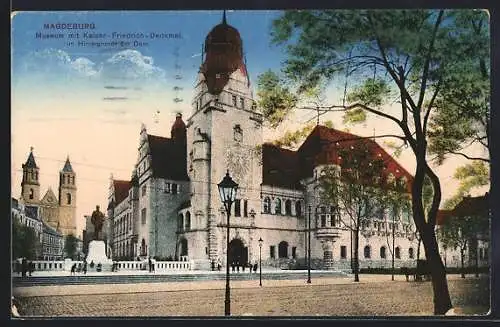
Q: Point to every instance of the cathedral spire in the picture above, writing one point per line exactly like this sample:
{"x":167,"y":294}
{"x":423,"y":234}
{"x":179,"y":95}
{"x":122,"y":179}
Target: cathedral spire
{"x":224,"y":18}
{"x":67,"y":166}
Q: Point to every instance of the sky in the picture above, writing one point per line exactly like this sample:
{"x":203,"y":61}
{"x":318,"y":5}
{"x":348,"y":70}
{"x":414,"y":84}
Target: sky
{"x":88,"y":102}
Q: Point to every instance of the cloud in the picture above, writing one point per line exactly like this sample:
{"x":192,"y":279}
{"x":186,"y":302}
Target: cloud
{"x":131,"y":65}
{"x":128,"y":66}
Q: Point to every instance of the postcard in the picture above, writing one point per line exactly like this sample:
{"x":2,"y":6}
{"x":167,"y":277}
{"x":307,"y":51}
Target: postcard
{"x":250,"y":163}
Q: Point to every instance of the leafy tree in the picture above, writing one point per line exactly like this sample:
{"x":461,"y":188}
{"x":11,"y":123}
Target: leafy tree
{"x":418,"y":56}
{"x":356,"y":190}
{"x":24,"y":241}
{"x":462,"y":232}
{"x":70,"y":244}
{"x":471,"y":175}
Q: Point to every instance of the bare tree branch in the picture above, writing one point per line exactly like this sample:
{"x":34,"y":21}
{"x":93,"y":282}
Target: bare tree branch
{"x":468,"y":157}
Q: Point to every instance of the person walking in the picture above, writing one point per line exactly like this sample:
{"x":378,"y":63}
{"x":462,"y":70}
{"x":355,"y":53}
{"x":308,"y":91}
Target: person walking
{"x":24,"y":267}
{"x":150,"y":264}
{"x":85,"y":267}
{"x":73,"y":268}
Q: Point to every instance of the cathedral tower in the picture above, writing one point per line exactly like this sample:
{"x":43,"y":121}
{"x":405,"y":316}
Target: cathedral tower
{"x":30,"y":185}
{"x":67,"y":200}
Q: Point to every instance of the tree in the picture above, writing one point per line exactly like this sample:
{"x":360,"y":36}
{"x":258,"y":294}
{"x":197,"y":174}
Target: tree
{"x":462,"y":232}
{"x":417,"y":56}
{"x":70,"y":244}
{"x":355,"y":189}
{"x":471,"y":175}
{"x":24,"y":241}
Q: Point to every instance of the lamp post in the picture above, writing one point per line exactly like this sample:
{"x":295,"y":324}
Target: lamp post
{"x":309,"y":248}
{"x":260,"y":261}
{"x":227,"y":191}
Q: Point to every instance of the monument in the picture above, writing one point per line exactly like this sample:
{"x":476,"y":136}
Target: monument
{"x":97,"y":248}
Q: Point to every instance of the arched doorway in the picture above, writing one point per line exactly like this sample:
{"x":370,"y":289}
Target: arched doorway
{"x":237,"y":252}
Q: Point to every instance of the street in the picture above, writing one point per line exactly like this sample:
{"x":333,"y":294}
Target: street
{"x":321,"y":298}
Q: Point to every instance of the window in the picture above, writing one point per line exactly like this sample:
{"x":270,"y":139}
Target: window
{"x":397,"y":253}
{"x":343,"y":251}
{"x":73,"y":180}
{"x":288,"y":207}
{"x":298,"y":209}
{"x":267,"y":205}
{"x":245,"y":208}
{"x":167,"y":187}
{"x":294,"y":252}
{"x":322,"y":216}
{"x":129,"y":221}
{"x":410,"y":253}
{"x":367,"y":252}
{"x":143,"y":190}
{"x":237,"y":208}
{"x":283,"y":249}
{"x":174,"y":188}
{"x":242,"y":103}
{"x":188,"y":220}
{"x":238,"y":133}
{"x":272,"y":251}
{"x":68,"y":198}
{"x":234,"y":100}
{"x":143,"y":216}
{"x":32,"y":194}
{"x":180,"y":222}
{"x":277,"y":206}
{"x":382,"y":253}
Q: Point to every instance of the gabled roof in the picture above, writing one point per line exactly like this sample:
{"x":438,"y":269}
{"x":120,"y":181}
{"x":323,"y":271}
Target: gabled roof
{"x":472,"y":206}
{"x":121,"y":190}
{"x":67,"y":167}
{"x":168,"y":158}
{"x":49,"y":195}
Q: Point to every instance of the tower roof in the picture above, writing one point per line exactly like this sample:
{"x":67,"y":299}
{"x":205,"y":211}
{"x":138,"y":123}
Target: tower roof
{"x":67,"y":167}
{"x":30,"y":163}
{"x":178,"y":128}
{"x":224,"y":55}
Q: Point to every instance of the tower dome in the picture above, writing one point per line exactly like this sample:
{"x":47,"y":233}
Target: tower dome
{"x":178,"y":131}
{"x":224,"y":55}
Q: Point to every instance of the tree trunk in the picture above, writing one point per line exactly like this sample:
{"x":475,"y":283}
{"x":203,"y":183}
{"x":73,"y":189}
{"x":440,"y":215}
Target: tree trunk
{"x":393,"y":249}
{"x":356,"y":255}
{"x":462,"y":255}
{"x":442,"y":301}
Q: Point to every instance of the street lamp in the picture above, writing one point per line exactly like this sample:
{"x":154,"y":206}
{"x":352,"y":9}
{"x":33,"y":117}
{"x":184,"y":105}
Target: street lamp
{"x":260,"y":261}
{"x":227,"y":190}
{"x":309,"y":248}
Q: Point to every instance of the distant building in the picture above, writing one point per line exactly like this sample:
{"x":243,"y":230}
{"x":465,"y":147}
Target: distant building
{"x":53,"y":243}
{"x":58,"y":212}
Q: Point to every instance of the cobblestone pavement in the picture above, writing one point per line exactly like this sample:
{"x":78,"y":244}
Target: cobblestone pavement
{"x":323,"y":299}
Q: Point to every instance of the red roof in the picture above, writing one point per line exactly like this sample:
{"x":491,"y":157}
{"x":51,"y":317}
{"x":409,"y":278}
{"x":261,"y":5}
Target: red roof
{"x":121,"y":190}
{"x":168,"y":158}
{"x":321,"y":147}
{"x":280,"y":167}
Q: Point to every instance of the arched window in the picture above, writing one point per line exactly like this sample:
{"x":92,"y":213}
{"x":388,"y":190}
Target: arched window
{"x":382,"y":252}
{"x":277,"y":206}
{"x":298,"y":209}
{"x":410,"y":253}
{"x":288,"y":207}
{"x":188,"y":220}
{"x":283,"y":250}
{"x":267,"y":205}
{"x":180,"y":222}
{"x":68,"y":198}
{"x":397,"y":253}
{"x":367,"y":252}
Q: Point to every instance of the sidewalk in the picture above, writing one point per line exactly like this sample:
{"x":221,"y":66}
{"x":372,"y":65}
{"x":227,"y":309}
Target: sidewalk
{"x":198,"y":285}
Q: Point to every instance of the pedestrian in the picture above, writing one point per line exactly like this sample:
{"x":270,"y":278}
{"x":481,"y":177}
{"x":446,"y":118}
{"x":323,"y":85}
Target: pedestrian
{"x":243,"y":266}
{"x":233,"y":268}
{"x":219,"y":264}
{"x":212,"y":265}
{"x":31,"y":267}
{"x":255,"y":267}
{"x":237,"y":266}
{"x":153,"y":264}
{"x":24,"y":267}
{"x":85,"y":267}
{"x":79,"y":267}
{"x":249,"y":267}
{"x":73,"y":268}
{"x":150,"y":264}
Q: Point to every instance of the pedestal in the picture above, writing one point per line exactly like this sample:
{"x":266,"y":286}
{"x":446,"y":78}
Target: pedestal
{"x":97,"y":253}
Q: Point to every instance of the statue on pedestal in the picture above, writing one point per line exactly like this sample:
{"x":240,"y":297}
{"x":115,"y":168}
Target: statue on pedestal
{"x":97,"y":220}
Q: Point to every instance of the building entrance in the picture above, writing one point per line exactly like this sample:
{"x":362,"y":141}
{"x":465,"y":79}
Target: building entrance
{"x":238,"y":254}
